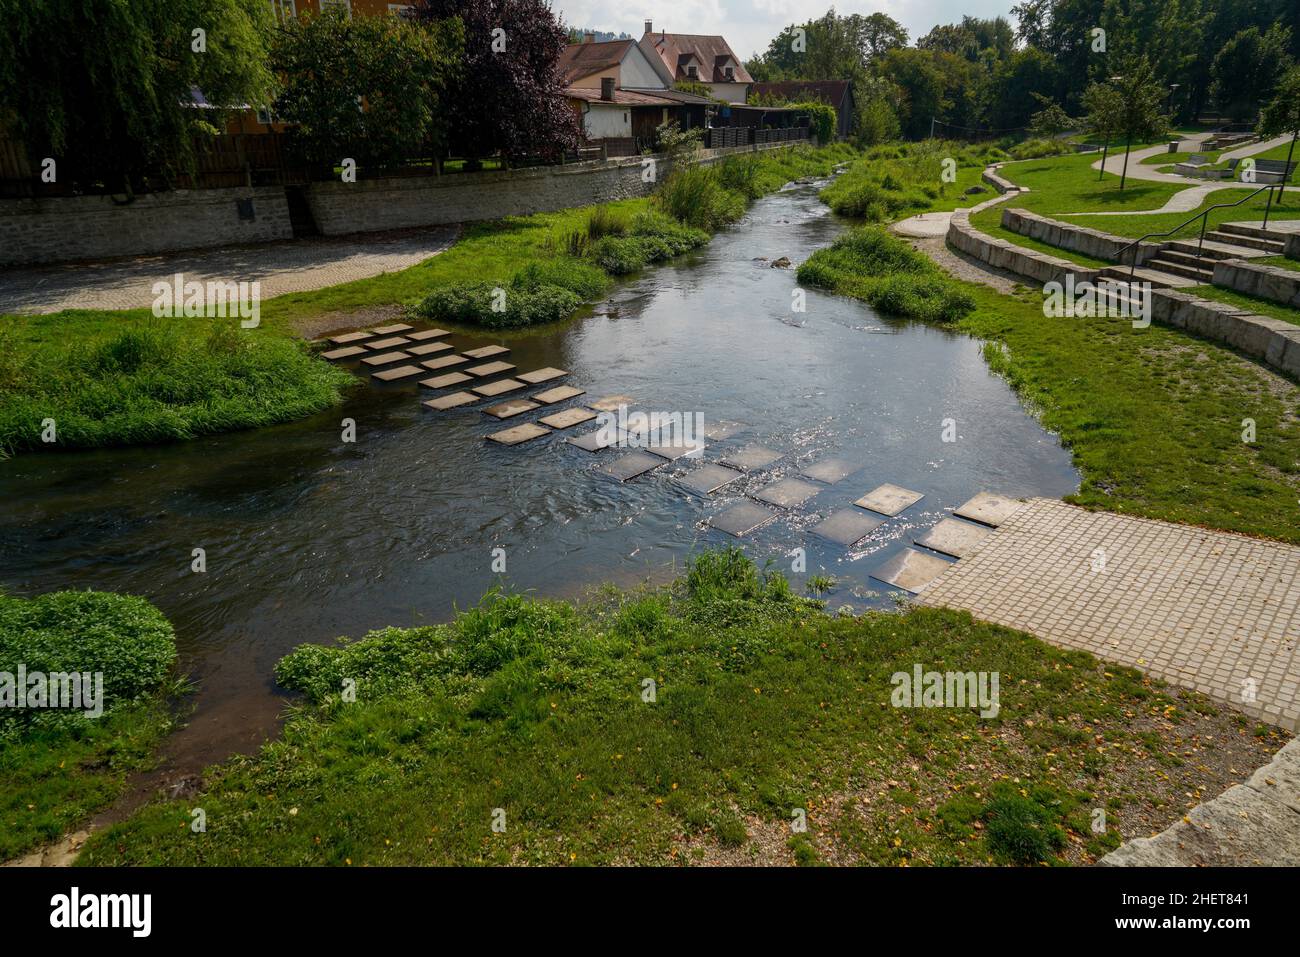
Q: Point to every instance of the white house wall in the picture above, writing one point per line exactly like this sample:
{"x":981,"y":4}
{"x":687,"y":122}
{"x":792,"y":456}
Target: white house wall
{"x":599,"y":122}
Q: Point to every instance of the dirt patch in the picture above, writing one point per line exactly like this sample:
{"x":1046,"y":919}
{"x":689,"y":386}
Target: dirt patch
{"x":330,"y":323}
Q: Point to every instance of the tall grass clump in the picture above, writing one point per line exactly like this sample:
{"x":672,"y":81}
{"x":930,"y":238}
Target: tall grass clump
{"x":696,"y":196}
{"x":136,"y":380}
{"x":872,"y":265}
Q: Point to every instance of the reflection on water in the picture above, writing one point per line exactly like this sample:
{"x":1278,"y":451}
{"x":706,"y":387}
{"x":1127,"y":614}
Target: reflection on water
{"x":308,"y":538}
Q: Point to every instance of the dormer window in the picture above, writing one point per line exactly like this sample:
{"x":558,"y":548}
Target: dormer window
{"x":693,"y":72}
{"x":730,"y":72}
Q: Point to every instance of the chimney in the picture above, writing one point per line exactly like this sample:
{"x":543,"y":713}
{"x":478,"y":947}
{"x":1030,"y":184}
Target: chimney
{"x":589,"y":37}
{"x":649,"y":26}
{"x":607,"y":88}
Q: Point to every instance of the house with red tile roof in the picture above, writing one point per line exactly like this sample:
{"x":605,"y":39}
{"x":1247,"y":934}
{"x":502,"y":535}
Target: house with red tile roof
{"x":699,"y":58}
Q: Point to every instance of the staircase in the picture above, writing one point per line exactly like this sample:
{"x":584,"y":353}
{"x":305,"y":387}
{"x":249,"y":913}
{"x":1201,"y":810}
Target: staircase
{"x":1184,"y":262}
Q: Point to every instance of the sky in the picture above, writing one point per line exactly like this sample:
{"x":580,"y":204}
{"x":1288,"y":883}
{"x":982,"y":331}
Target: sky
{"x":749,"y":25}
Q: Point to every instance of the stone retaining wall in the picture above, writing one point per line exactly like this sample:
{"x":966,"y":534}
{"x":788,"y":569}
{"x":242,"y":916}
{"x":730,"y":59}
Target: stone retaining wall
{"x":1292,"y":248}
{"x":1029,"y":263}
{"x":67,"y":229}
{"x":1079,"y":239}
{"x":1264,"y":282}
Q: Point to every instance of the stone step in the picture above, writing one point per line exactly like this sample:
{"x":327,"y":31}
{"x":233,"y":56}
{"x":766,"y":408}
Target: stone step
{"x":1213,"y":250}
{"x":1258,"y":232}
{"x":1197,"y":272}
{"x":1271,"y":246}
{"x":1157,"y":278}
{"x":1186,"y":259}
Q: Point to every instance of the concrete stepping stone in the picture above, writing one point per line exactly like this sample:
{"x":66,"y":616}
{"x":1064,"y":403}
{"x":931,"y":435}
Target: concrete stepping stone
{"x":847,"y":526}
{"x":390,"y":329}
{"x":443,"y":362}
{"x":346,"y":352}
{"x":722,"y":430}
{"x":451,"y":401}
{"x":511,"y":408}
{"x":988,"y":509}
{"x":610,"y":403}
{"x":953,"y":537}
{"x":911,"y":570}
{"x":444,"y":381}
{"x":489,"y":368}
{"x":751,"y":458}
{"x":889,"y":499}
{"x":397,"y":372}
{"x":519,"y":434}
{"x":676,"y":451}
{"x":558,"y":394}
{"x":429,"y":348}
{"x":379,"y":345}
{"x":423,"y":334}
{"x":830,"y":471}
{"x":500,"y":387}
{"x":538,"y":376}
{"x":629,"y":466}
{"x":742,"y":519}
{"x":593,"y":441}
{"x":350,"y":337}
{"x":567,"y":418}
{"x":486,"y":352}
{"x":708,"y":478}
{"x":787,"y":493}
{"x":386,"y":359}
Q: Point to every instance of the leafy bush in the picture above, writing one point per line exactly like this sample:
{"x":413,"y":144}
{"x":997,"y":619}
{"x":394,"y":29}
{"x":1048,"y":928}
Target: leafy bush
{"x":824,"y":120}
{"x":123,"y":636}
{"x":873,"y":265}
{"x":1039,"y":148}
{"x":472,"y":304}
{"x":622,"y":255}
{"x":678,"y":236}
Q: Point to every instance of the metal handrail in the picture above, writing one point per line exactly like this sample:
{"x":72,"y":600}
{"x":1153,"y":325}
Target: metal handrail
{"x":1200,"y":243}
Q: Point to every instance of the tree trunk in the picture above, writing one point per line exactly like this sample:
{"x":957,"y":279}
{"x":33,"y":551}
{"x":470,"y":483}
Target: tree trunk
{"x":1105,"y":149}
{"x":1128,"y":140}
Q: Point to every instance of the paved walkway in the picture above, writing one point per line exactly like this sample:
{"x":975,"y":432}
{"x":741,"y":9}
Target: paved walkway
{"x":1212,"y":611}
{"x":283,"y":267}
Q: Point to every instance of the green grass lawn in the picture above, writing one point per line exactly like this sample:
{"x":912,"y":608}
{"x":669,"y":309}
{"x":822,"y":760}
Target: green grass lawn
{"x":1282,"y":262}
{"x":540,"y":718}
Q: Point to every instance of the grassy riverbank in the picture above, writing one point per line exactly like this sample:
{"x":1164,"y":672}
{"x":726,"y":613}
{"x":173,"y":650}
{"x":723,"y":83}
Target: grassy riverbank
{"x":83,"y":379}
{"x":58,"y":766}
{"x":539,"y":716}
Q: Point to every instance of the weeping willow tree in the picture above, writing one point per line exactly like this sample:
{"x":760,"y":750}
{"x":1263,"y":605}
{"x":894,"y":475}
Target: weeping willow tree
{"x":106,"y":88}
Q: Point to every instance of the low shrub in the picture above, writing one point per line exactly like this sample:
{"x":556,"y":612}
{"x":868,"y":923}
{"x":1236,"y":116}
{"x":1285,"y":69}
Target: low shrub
{"x":472,"y":304}
{"x":580,"y":278}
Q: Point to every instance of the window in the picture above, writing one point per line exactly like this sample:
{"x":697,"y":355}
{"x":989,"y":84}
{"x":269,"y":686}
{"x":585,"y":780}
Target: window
{"x":693,"y":72}
{"x":264,"y":115}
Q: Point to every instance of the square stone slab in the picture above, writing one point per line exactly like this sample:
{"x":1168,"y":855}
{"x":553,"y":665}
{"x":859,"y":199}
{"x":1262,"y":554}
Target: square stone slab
{"x":443,"y":361}
{"x":429,"y":348}
{"x":830,"y":471}
{"x":424,"y":334}
{"x":511,"y":407}
{"x":722,"y":430}
{"x":847,"y":526}
{"x":889,"y":499}
{"x":953,"y":537}
{"x":500,"y":387}
{"x":787,"y":493}
{"x":610,"y":403}
{"x":389,"y":330}
{"x":567,"y":418}
{"x":538,"y":376}
{"x":385,"y":359}
{"x":742,"y":519}
{"x":397,"y":372}
{"x":674,"y":452}
{"x":444,"y":381}
{"x":709,"y":478}
{"x":451,"y":401}
{"x":519,"y":433}
{"x":911,"y":570}
{"x":489,"y":368}
{"x":751,"y":457}
{"x":344,"y":353}
{"x":631,"y":465}
{"x":378,"y":345}
{"x":558,"y":394}
{"x":593,"y":441}
{"x":486,"y":352}
{"x":348,"y":337}
{"x":988,"y":508}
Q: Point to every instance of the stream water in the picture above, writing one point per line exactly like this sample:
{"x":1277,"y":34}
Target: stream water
{"x":308,"y":538}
